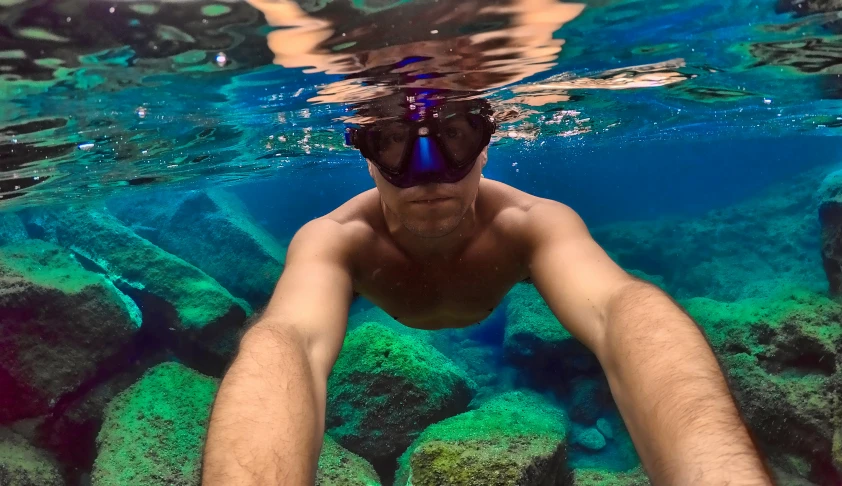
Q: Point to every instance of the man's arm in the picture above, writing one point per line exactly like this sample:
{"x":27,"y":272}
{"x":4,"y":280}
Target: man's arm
{"x":663,"y":375}
{"x":268,"y":418}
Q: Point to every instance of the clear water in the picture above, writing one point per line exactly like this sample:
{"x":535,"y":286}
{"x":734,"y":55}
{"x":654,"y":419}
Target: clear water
{"x":692,"y":136}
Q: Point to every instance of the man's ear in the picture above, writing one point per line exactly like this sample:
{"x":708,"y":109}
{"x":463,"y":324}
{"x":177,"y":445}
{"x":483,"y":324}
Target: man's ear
{"x":371,"y":170}
{"x":484,"y":156}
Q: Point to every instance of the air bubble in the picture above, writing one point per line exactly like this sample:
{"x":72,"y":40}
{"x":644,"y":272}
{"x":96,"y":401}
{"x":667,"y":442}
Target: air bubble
{"x":221,"y":59}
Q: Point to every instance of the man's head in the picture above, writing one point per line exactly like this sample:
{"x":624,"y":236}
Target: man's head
{"x":427,"y":163}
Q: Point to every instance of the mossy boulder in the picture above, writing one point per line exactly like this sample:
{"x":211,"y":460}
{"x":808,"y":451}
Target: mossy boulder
{"x":340,"y":467}
{"x":58,"y":322}
{"x":781,"y":357}
{"x":536,"y":340}
{"x":154,"y":431}
{"x":181,"y":304}
{"x":23,"y":465}
{"x":213,"y":231}
{"x":71,"y":429}
{"x":515,"y":439}
{"x":386,"y":388}
{"x":600,"y":477}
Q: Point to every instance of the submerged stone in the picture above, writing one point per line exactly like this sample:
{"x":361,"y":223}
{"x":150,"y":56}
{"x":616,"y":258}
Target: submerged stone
{"x":386,"y":388}
{"x":781,"y":355}
{"x":590,"y":439}
{"x":213,"y":231}
{"x":23,"y":465}
{"x":604,"y":428}
{"x":514,"y":439}
{"x":58,"y":322}
{"x":536,"y":340}
{"x":71,"y":429}
{"x":153,"y":432}
{"x":181,"y":304}
{"x":340,"y":467}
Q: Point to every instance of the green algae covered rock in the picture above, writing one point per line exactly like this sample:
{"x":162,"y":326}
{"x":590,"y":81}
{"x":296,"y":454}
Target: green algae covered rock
{"x":516,"y":439}
{"x":386,"y":388}
{"x":534,"y":338}
{"x":781,"y":357}
{"x":190,"y":308}
{"x":23,"y":465}
{"x":599,"y":477}
{"x":213,"y":231}
{"x":58,"y":322}
{"x":153,"y":432}
{"x":341,"y":467}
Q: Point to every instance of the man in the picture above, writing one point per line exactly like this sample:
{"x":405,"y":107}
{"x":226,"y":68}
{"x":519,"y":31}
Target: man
{"x":436,"y":245}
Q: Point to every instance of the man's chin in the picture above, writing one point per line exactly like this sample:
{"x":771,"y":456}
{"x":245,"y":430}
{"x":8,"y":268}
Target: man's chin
{"x":429,"y":229}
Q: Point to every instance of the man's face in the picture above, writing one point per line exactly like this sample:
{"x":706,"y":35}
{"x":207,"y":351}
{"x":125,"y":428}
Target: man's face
{"x":431,"y":210}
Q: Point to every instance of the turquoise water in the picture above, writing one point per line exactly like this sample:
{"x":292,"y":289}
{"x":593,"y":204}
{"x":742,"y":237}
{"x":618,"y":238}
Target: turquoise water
{"x":156,"y":158}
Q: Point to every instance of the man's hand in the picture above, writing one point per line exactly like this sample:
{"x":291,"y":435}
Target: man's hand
{"x":663,"y":375}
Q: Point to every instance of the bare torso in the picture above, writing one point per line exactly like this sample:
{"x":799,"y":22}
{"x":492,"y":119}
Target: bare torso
{"x":435,"y":293}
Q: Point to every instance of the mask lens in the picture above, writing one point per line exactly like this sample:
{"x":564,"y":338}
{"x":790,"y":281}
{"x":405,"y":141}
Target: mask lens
{"x":462,"y":136}
{"x":388,"y":143}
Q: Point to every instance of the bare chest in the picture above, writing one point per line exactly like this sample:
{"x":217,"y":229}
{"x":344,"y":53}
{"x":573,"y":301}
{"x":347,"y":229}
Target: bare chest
{"x":435,"y":295}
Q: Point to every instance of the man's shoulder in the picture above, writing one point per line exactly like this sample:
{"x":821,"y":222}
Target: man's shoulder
{"x":511,"y":208}
{"x":349,"y":223}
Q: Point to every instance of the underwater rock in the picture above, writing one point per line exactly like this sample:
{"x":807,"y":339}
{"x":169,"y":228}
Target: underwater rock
{"x":590,"y":439}
{"x":23,"y":465}
{"x":71,"y":429}
{"x":830,"y":217}
{"x":781,"y":356}
{"x":12,"y":229}
{"x":341,"y":467}
{"x":604,"y":428}
{"x":708,"y":255}
{"x":516,"y":438}
{"x":154,"y":431}
{"x":213,"y":231}
{"x":534,"y":339}
{"x":182,"y":305}
{"x":386,"y":388}
{"x":58,"y":322}
{"x":599,"y":477}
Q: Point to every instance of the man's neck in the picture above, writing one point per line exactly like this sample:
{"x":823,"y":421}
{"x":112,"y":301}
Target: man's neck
{"x":437,"y":249}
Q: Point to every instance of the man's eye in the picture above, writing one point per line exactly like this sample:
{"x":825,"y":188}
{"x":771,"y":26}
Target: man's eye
{"x":452,"y":132}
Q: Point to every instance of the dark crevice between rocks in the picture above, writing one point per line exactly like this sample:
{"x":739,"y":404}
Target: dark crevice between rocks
{"x":778,"y":363}
{"x":161,"y":326}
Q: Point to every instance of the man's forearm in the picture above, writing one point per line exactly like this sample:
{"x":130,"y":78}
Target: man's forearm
{"x":673,"y":396}
{"x":268,"y":417}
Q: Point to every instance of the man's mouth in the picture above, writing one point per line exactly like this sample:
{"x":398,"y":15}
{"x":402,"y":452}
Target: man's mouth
{"x":431,"y":200}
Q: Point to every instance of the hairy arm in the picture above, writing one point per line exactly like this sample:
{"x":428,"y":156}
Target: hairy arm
{"x":662,"y":372}
{"x":268,"y":418}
